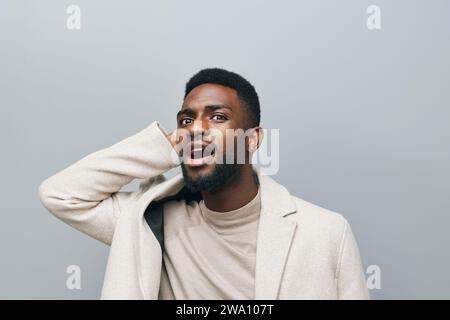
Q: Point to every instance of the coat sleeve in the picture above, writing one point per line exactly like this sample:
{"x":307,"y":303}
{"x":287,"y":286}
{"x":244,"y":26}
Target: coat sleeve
{"x":350,"y":273}
{"x":86,"y":194}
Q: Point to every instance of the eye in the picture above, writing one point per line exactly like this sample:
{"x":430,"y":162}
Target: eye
{"x":218,"y":117}
{"x":184,"y":121}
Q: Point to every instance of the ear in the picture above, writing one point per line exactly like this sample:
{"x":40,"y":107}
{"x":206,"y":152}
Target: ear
{"x":255,"y":139}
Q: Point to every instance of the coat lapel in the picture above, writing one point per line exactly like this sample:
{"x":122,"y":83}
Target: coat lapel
{"x":275,"y":235}
{"x":149,"y":255}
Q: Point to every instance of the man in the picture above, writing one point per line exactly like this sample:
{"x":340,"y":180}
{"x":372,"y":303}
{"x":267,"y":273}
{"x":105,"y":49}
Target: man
{"x":219,"y":230}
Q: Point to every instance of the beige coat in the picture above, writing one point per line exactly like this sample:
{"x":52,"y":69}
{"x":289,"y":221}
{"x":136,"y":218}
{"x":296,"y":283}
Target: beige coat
{"x":303,"y":251}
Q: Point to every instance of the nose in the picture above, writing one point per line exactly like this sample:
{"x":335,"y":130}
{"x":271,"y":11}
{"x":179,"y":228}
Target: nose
{"x":198,"y":130}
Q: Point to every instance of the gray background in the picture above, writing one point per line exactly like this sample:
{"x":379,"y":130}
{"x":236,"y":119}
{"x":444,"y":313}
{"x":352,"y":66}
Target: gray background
{"x":363,"y":116}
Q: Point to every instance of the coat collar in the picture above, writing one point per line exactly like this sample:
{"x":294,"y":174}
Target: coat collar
{"x":275,"y":233}
{"x":275,"y":198}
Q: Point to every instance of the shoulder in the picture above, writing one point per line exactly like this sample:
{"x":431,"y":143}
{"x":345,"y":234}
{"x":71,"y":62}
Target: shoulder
{"x":319,"y":214}
{"x":314,"y":221}
{"x":319,"y":222}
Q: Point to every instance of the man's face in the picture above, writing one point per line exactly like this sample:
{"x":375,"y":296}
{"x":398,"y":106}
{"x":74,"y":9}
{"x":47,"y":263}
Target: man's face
{"x":208,"y":112}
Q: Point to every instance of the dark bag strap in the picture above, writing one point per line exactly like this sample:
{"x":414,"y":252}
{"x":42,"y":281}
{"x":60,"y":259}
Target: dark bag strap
{"x":154,"y":213}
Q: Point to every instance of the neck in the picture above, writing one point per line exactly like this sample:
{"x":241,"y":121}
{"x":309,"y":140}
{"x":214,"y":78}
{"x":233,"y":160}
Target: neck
{"x":235,"y":194}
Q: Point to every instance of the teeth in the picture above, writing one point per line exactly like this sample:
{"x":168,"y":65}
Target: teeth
{"x":197,"y":152}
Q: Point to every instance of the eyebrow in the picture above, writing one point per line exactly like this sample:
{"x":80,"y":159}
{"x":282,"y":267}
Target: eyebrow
{"x":211,"y":107}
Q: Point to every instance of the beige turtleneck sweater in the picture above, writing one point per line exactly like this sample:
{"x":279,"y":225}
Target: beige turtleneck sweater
{"x":210,"y":254}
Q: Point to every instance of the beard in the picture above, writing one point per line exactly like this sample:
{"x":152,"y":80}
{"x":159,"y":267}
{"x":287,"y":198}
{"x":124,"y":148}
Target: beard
{"x":217,"y":179}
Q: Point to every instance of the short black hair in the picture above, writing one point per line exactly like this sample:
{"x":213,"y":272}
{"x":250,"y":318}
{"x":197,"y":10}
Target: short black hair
{"x":245,"y":90}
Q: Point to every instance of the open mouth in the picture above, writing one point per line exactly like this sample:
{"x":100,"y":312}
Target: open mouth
{"x":200,"y":156}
